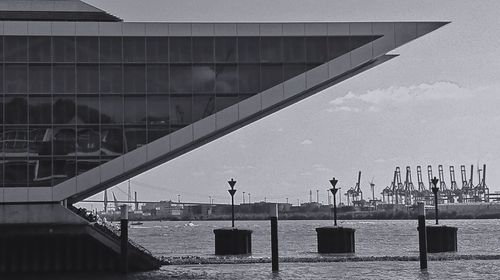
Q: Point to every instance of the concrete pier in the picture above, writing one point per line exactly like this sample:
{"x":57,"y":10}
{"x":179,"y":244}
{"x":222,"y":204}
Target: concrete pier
{"x":441,"y":239}
{"x":233,"y":241}
{"x":335,"y":240}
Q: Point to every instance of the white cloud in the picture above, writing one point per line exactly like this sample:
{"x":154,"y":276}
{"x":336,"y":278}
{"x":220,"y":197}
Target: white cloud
{"x":374,"y":100}
{"x":306,"y":142}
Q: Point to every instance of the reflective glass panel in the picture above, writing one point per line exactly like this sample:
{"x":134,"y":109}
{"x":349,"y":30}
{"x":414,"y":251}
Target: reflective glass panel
{"x":203,"y":106}
{"x":40,"y":141}
{"x":40,"y":78}
{"x":112,"y":109}
{"x":87,"y":78}
{"x":249,"y":49}
{"x":134,"y":49}
{"x":110,"y":49}
{"x":40,"y":172}
{"x":294,"y":49}
{"x":40,"y":111}
{"x":64,"y":78}
{"x":157,"y":131}
{"x":157,"y":78}
{"x":64,"y":108}
{"x":15,"y":48}
{"x":203,"y":49}
{"x":157,"y":49}
{"x":180,"y":111}
{"x":271,"y":75}
{"x":16,"y":77}
{"x":63,"y":49}
{"x":111,"y":140}
{"x":316,"y":49}
{"x":271,"y":49}
{"x":158,"y":109}
{"x":88,"y":110}
{"x":226,"y":78}
{"x":40,"y":49}
{"x":111,"y":78}
{"x":134,"y":78}
{"x":16,"y":109}
{"x":135,"y":137}
{"x":180,"y":78}
{"x":249,"y":78}
{"x":180,"y":49}
{"x":15,"y":141}
{"x":203,"y":78}
{"x":135,"y":109}
{"x":225,"y":49}
{"x":88,"y":141}
{"x":64,"y":140}
{"x":87,"y":49}
{"x":223,"y":102}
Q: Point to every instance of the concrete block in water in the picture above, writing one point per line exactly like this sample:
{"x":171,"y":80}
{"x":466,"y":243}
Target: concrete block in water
{"x":335,"y":240}
{"x":233,"y":241}
{"x":441,"y":239}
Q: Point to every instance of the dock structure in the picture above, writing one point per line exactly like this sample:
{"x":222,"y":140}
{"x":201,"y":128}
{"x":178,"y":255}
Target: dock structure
{"x":90,"y":101}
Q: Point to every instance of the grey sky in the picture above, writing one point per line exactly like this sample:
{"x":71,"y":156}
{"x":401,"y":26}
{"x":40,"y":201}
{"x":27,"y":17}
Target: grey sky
{"x":435,"y":104}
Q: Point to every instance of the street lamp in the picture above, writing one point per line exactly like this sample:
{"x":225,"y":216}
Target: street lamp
{"x":334,"y":190}
{"x":435,"y":190}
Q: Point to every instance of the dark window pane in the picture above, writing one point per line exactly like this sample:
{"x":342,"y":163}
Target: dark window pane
{"x":111,"y":78}
{"x":62,"y":169}
{"x":180,"y":49}
{"x":203,"y":106}
{"x":64,"y":78}
{"x":64,"y":109}
{"x":292,"y":70}
{"x":1,"y":121}
{"x":226,"y":79}
{"x":180,"y":78}
{"x":337,"y":46}
{"x":134,"y":49}
{"x":64,"y":140}
{"x":40,"y":49}
{"x":155,"y":132}
{"x":157,"y":49}
{"x":87,"y":78}
{"x":135,"y":109}
{"x":157,"y":78}
{"x":134,"y":78}
{"x":111,"y":140}
{"x":203,"y":78}
{"x":180,"y":111}
{"x":110,"y":49}
{"x":271,"y":49}
{"x":87,"y":49}
{"x":1,"y":59}
{"x":248,"y":49}
{"x":225,"y":49}
{"x":1,"y":86}
{"x":88,"y":141}
{"x":271,"y":75}
{"x":158,"y":109}
{"x":88,"y":110}
{"x":111,"y":109}
{"x":358,"y":41}
{"x":40,"y":141}
{"x":294,"y":49}
{"x":40,"y":172}
{"x":135,"y":137}
{"x":223,"y":102}
{"x":63,"y":49}
{"x":16,"y":77}
{"x":15,"y":141}
{"x":203,"y":49}
{"x":40,"y":110}
{"x":15,"y":48}
{"x":316,"y":49}
{"x":16,"y":110}
{"x":40,"y":79}
{"x":249,"y":78}
{"x":16,"y":172}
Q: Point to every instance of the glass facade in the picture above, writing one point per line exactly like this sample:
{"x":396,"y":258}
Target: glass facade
{"x":72,"y":103}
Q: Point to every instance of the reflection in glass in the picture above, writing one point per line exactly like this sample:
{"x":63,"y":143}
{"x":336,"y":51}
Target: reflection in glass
{"x":203,"y":78}
{"x":226,"y":78}
{"x":157,"y":78}
{"x":134,"y":78}
{"x":87,"y":49}
{"x":88,"y":141}
{"x":135,"y":109}
{"x":84,"y":164}
{"x":180,"y":111}
{"x":64,"y":109}
{"x":180,"y":49}
{"x":249,"y":49}
{"x":294,"y":49}
{"x":63,"y":49}
{"x":111,"y":140}
{"x":157,"y":49}
{"x":111,"y":109}
{"x":249,"y":78}
{"x":87,"y":77}
{"x":40,"y":111}
{"x":292,"y":70}
{"x":15,"y":48}
{"x":40,"y":48}
{"x":40,"y":79}
{"x":63,"y":169}
{"x":316,"y":49}
{"x":158,"y":109}
{"x":110,"y":49}
{"x":111,"y":78}
{"x":135,"y":137}
{"x":40,"y":142}
{"x":88,"y":110}
{"x":134,"y":49}
{"x":64,"y":78}
{"x":225,"y":49}
{"x":271,"y":75}
{"x":180,"y":78}
{"x":223,"y":102}
{"x":271,"y":49}
{"x":64,"y":140}
{"x":15,"y":141}
{"x":157,"y":131}
{"x":16,"y":172}
{"x":203,"y":106}
{"x":40,"y":172}
{"x":16,"y":78}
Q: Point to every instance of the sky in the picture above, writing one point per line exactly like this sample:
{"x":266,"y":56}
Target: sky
{"x":437,"y":103}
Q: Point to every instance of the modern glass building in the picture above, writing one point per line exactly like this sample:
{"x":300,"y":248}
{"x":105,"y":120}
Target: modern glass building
{"x":88,"y":100}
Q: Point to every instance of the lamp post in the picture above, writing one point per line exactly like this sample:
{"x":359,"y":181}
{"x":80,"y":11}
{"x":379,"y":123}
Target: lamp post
{"x":334,"y":190}
{"x":435,"y":190}
{"x":232,"y":191}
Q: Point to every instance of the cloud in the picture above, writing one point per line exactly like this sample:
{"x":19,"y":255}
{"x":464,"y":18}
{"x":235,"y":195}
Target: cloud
{"x":306,"y":142}
{"x":375,"y":100}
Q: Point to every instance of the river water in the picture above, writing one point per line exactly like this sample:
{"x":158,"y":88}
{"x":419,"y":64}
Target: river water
{"x":297,"y":239}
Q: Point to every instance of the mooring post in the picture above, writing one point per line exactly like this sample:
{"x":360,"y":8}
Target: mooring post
{"x":334,"y":190}
{"x":274,"y":237}
{"x":422,"y":235}
{"x":124,"y":238}
{"x":232,"y":191}
{"x":435,"y":190}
